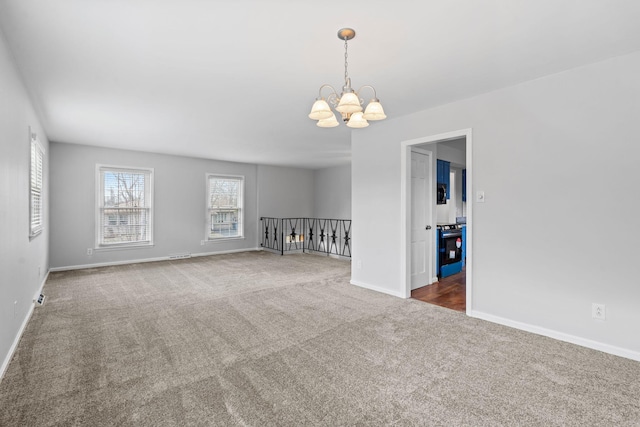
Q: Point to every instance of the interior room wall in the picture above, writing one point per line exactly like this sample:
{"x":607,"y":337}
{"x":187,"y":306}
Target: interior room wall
{"x":458,"y":192}
{"x":543,"y":251}
{"x":332,"y":192}
{"x":446,"y":213}
{"x":442,"y":213}
{"x":179,"y":204}
{"x":451,"y":154}
{"x":23,"y":261}
{"x":285,"y":192}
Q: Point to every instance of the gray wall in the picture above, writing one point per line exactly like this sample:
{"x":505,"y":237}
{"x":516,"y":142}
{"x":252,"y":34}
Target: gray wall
{"x":450,"y":154}
{"x":295,"y":192}
{"x":285,"y":192}
{"x":332,"y":192}
{"x":457,"y":158}
{"x":179,"y":204}
{"x":538,"y":154}
{"x":23,"y":261}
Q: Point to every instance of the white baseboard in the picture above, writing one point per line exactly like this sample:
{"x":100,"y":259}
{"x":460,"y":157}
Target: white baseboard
{"x":16,"y":341}
{"x":138,"y":261}
{"x":378,"y":289}
{"x":107,"y":264}
{"x":232,"y":251}
{"x":561,"y":336}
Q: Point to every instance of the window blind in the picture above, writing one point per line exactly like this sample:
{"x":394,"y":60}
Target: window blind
{"x":35,"y":188}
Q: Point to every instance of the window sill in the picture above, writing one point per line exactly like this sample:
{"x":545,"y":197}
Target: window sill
{"x":220,"y":240}
{"x":35,"y":234}
{"x":121,"y":247}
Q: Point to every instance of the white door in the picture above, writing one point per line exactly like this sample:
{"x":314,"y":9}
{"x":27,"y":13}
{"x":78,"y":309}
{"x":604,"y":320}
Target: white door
{"x":421,"y":232}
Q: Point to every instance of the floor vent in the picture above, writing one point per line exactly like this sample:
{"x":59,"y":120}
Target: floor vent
{"x":179,"y":256}
{"x":40,"y":300}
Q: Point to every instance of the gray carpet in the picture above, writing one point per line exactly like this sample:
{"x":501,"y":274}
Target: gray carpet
{"x":256,"y":339}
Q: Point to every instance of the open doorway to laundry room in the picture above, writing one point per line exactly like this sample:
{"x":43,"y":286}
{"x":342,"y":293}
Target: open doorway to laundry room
{"x":449,"y":221}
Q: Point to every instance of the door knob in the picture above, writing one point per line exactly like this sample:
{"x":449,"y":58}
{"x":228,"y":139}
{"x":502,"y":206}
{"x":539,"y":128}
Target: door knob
{"x":428,"y":227}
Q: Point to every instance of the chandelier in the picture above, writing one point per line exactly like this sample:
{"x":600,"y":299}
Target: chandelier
{"x":348,"y":103}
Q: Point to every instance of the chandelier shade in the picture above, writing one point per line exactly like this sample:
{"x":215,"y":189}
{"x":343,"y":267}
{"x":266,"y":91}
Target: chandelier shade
{"x":320,"y":110}
{"x":348,"y":103}
{"x":374,"y":111}
{"x":356,"y":121}
{"x":331,"y":122}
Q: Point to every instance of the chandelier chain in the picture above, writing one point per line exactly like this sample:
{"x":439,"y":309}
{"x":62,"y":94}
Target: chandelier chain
{"x":346,"y":63}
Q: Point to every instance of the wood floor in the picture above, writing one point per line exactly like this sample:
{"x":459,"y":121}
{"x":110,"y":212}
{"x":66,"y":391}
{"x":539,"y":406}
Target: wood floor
{"x":449,"y":292}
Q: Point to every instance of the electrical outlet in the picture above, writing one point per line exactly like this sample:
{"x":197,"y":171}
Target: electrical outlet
{"x":15,"y":309}
{"x":89,"y":251}
{"x":39,"y":271}
{"x":39,"y":300}
{"x":359,"y":264}
{"x":479,"y":196}
{"x":598,"y":311}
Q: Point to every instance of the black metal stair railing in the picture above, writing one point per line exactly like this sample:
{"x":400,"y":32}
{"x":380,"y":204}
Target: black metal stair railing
{"x":329,"y":236}
{"x":271,"y":236}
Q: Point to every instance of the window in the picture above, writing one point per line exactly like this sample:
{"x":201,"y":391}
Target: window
{"x":125,"y":203}
{"x":36,"y":213}
{"x":224,"y":206}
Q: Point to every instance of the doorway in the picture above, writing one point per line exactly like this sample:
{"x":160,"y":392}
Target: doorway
{"x":408,"y":249}
{"x":449,"y":292}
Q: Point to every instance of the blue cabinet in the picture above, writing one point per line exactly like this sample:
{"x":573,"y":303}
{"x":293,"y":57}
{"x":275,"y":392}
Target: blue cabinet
{"x":444,"y":169}
{"x":464,"y":245}
{"x":447,"y":177}
{"x":464,"y":185}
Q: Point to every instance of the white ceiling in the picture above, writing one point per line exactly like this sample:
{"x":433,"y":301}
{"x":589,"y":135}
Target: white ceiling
{"x":235,"y":80}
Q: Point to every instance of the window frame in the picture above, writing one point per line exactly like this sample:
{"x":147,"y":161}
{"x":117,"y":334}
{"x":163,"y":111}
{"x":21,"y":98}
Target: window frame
{"x":99,"y":205}
{"x":36,"y":150}
{"x":239,"y":207}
